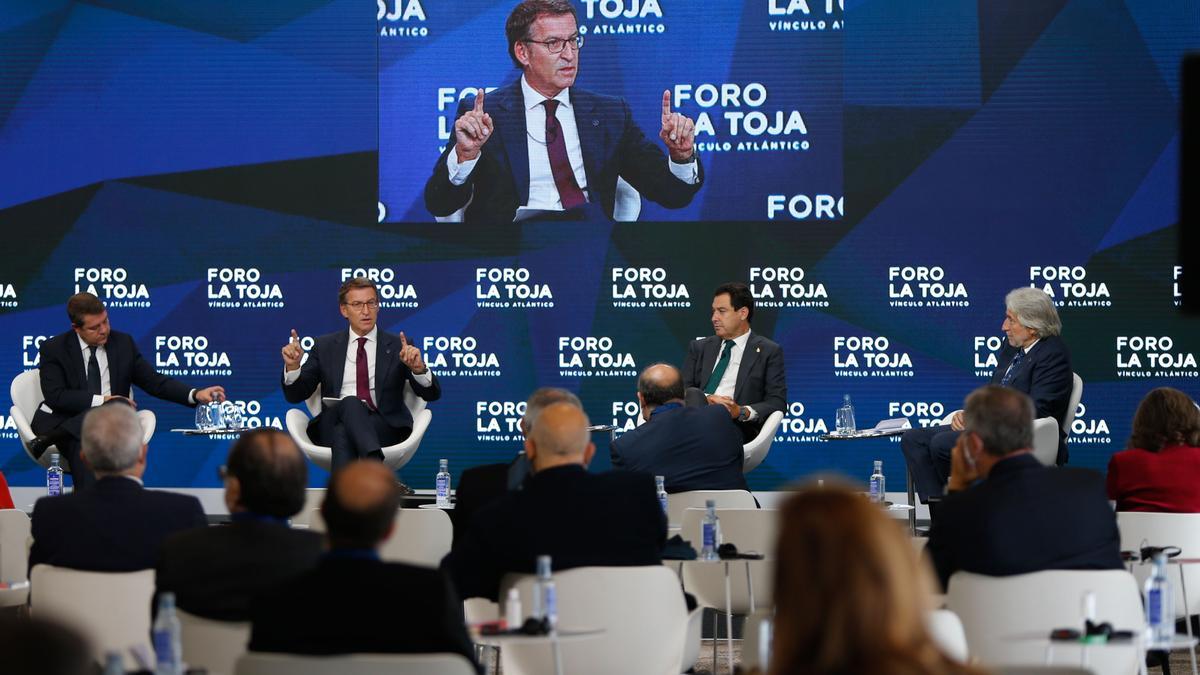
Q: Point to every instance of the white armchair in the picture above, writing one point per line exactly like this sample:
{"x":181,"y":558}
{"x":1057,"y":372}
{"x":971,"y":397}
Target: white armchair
{"x":394,"y":456}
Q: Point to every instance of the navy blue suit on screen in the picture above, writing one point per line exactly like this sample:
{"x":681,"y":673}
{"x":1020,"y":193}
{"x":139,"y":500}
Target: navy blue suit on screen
{"x":693,"y":448}
{"x":612,"y":144}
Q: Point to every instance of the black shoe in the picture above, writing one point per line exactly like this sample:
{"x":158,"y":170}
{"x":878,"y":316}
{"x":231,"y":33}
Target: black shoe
{"x":39,"y":444}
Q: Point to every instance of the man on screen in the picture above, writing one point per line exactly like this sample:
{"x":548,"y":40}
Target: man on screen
{"x":1034,"y":360}
{"x":366,"y":369}
{"x":547,"y":146}
{"x":736,"y":368}
{"x":88,"y":366}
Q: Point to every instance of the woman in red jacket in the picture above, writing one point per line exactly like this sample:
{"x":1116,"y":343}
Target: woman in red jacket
{"x":1161,"y":469}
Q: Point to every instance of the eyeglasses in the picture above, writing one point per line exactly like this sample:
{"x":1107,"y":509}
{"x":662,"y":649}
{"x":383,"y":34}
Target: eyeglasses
{"x":556,"y":45}
{"x":369,"y":304}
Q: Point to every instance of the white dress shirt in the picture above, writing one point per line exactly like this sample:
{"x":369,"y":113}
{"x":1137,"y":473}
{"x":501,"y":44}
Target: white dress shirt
{"x":543,"y":193}
{"x":729,"y":379}
{"x":350,"y":367}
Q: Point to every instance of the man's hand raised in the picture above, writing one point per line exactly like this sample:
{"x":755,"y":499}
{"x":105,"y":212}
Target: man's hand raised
{"x":411,"y":356}
{"x":472,"y":130}
{"x":292,"y":353}
{"x":678,"y":132}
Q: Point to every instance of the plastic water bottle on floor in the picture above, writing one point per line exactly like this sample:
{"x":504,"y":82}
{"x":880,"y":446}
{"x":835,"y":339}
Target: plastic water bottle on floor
{"x":710,"y":532}
{"x":442,"y":482}
{"x":546,"y":597}
{"x":845,"y":416}
{"x":168,"y":649}
{"x":1160,"y":602}
{"x":660,"y":486}
{"x":878,"y":484}
{"x":54,"y":476}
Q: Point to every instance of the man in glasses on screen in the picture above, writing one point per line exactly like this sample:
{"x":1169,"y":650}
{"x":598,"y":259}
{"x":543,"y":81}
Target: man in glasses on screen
{"x":543,"y":148}
{"x":362,"y":372}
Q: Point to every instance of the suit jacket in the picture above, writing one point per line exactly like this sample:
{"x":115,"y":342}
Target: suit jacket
{"x":612,"y":146}
{"x":575,"y":517}
{"x":761,"y":378}
{"x":117,"y":526}
{"x":63,"y":376}
{"x":1163,"y":481}
{"x":351,"y":605}
{"x":1025,"y":517}
{"x":693,"y":448}
{"x":215,"y":571}
{"x":325,"y":364}
{"x":1045,"y":374}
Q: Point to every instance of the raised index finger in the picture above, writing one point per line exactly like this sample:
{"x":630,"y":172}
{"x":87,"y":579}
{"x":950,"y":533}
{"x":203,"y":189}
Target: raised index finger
{"x":403,"y":340}
{"x":478,"y":100}
{"x":666,"y":102}
{"x":295,"y":337}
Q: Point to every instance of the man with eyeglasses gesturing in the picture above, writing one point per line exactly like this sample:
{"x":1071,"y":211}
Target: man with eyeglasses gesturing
{"x":542,"y":148}
{"x":366,"y":369}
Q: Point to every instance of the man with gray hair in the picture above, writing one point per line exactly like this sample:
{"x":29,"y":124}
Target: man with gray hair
{"x":116,"y":525}
{"x":1033,"y":360}
{"x":1021,"y":516}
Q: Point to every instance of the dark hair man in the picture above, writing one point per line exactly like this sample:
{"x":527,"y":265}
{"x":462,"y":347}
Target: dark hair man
{"x":86,"y":367}
{"x":736,"y":367}
{"x":545,"y":145}
{"x":1021,"y":516}
{"x":215,"y":571}
{"x":367,"y":369}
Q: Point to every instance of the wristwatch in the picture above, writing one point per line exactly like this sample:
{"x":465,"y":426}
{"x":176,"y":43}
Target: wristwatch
{"x":743,"y":414}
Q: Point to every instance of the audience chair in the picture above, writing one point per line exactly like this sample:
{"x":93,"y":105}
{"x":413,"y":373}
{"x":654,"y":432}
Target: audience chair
{"x":311,"y":511}
{"x":756,"y":450}
{"x":640,"y":610}
{"x":14,"y":554}
{"x":255,"y":663}
{"x":1007,"y":620}
{"x":694,"y":499}
{"x":26,"y":391}
{"x":395,"y":456}
{"x":419,"y":537}
{"x":111,"y":609}
{"x":1165,"y":529}
{"x":212,"y":645}
{"x":752,"y":635}
{"x":947,"y":632}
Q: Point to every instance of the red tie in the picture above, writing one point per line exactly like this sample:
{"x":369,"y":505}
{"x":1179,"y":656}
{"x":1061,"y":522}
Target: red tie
{"x":361,"y":375}
{"x":560,"y":166}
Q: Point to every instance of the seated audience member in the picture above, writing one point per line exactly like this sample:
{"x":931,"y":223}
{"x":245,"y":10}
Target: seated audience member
{"x":1021,"y":516}
{"x":1160,"y":470}
{"x":480,"y":485}
{"x":6,"y":501}
{"x":35,"y":646}
{"x":116,"y":525}
{"x":576,"y":517}
{"x":694,"y":448}
{"x":215,"y":571}
{"x":352,"y":602}
{"x":1034,"y":360}
{"x":850,"y":594}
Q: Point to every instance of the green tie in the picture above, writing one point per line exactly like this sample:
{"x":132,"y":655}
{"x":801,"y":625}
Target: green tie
{"x":719,"y":371}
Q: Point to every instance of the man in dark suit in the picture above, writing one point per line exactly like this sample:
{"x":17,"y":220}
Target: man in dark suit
{"x":546,"y":145}
{"x":1022,"y":516}
{"x":736,"y":368}
{"x":367,"y":369}
{"x":575,"y":517}
{"x":1034,"y":360}
{"x":693,"y":448}
{"x":352,"y":602}
{"x":117,"y":525}
{"x":215,"y":571}
{"x":88,"y":366}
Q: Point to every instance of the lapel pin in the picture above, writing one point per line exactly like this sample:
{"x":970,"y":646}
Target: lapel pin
{"x":595,"y":123}
{"x":757,"y":350}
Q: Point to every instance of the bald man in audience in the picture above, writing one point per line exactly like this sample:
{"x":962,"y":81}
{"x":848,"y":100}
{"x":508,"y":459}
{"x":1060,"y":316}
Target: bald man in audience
{"x":352,"y":602}
{"x":116,"y":525}
{"x":215,"y":571}
{"x":575,"y":517}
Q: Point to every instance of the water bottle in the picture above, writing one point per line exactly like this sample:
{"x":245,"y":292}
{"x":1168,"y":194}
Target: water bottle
{"x":710,"y":532}
{"x":113,"y":665}
{"x":878,"y":484}
{"x":442,"y":481}
{"x":168,"y":648}
{"x":661,"y":488}
{"x":54,"y":477}
{"x":1160,"y":602}
{"x":231,"y":414}
{"x":845,"y":416}
{"x":512,"y":610}
{"x":202,"y":417}
{"x":216,"y":416}
{"x":545,"y":597}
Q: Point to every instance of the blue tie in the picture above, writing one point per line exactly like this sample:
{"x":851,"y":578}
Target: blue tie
{"x":1012,"y":368}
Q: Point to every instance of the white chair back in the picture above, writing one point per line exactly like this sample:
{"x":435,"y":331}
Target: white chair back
{"x":111,"y":609}
{"x":1007,"y":620}
{"x":753,"y":640}
{"x":750,"y":530}
{"x":754,"y":452}
{"x":310,"y":513}
{"x":419,"y":537}
{"x":694,"y":499}
{"x":214,"y":646}
{"x":1045,"y":440}
{"x":1165,"y":529}
{"x":640,"y":609}
{"x":14,"y":545}
{"x":1076,"y":397}
{"x":947,"y":633}
{"x":394,"y":456}
{"x":255,"y":663}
